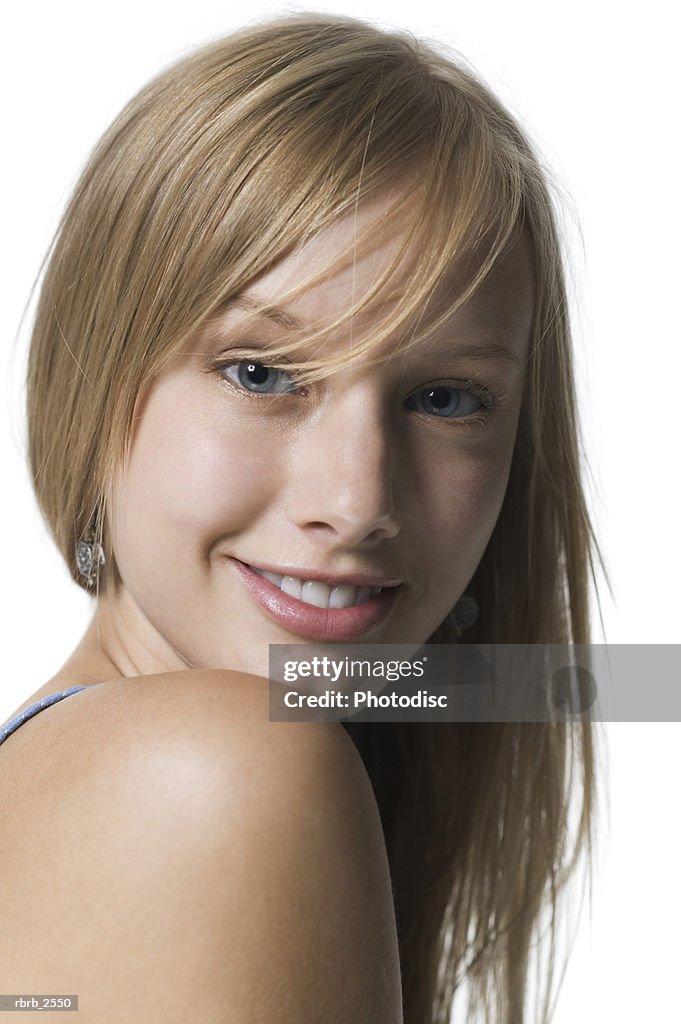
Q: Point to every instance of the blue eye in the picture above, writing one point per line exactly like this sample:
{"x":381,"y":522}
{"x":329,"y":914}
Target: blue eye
{"x":444,"y":401}
{"x":441,"y":400}
{"x":258,"y":378}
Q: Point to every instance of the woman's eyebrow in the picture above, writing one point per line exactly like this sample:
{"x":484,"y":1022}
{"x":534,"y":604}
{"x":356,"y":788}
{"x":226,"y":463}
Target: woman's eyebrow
{"x":491,"y":351}
{"x":482,"y":350}
{"x":276,"y":314}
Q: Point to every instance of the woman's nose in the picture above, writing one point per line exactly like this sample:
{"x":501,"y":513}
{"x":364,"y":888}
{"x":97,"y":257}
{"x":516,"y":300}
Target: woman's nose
{"x":343,"y":474}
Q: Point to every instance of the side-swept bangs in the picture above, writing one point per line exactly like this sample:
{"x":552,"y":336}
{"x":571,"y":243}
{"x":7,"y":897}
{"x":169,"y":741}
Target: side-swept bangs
{"x":334,"y":114}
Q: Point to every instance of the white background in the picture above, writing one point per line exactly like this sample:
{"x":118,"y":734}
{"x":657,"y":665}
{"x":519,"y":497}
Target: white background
{"x":597,"y":86}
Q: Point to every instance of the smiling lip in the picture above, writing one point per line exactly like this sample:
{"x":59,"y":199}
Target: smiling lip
{"x":356,"y":579}
{"x":325,"y":624}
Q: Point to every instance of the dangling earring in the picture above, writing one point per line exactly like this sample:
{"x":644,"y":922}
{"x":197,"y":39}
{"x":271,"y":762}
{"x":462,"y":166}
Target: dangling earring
{"x":89,"y":557}
{"x":464,"y":614}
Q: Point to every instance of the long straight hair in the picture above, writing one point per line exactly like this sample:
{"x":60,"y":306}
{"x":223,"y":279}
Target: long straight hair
{"x":221,"y":166}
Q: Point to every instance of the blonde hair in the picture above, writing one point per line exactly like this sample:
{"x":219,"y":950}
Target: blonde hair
{"x":217,"y":169}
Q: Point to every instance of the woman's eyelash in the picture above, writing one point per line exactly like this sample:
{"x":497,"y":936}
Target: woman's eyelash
{"x":254,"y":377}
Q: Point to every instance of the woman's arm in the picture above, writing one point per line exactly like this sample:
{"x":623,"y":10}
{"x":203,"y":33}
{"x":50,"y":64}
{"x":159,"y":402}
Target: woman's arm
{"x":204,"y":863}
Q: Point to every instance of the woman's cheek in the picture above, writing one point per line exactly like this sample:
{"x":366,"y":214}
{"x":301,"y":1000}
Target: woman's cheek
{"x":470,"y":508}
{"x":195,"y":465}
{"x":225,"y":482}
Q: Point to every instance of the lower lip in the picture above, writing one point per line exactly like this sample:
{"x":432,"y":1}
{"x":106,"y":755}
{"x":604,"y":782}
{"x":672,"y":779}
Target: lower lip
{"x":304,"y":620}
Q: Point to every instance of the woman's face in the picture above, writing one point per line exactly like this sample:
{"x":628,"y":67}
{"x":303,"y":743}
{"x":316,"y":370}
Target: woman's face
{"x":386,"y":475}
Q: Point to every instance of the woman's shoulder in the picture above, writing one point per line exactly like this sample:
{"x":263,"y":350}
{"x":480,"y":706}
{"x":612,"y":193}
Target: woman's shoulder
{"x":242,"y":858}
{"x":202,"y":727}
{"x":187,"y":724}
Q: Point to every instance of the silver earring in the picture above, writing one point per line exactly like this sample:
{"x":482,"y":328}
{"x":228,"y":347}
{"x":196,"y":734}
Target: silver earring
{"x":464,"y":614}
{"x":89,"y":557}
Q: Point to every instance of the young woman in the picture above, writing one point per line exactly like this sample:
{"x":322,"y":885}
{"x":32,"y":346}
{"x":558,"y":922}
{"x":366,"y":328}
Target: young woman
{"x":300,"y":370}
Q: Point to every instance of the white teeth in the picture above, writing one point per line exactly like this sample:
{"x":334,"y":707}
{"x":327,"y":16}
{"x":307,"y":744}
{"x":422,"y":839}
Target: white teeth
{"x":319,"y":594}
{"x":342,"y":597}
{"x":291,"y":585}
{"x":316,"y":593}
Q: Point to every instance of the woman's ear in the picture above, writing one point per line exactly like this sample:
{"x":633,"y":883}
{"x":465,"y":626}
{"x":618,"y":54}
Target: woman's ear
{"x":110,"y":577}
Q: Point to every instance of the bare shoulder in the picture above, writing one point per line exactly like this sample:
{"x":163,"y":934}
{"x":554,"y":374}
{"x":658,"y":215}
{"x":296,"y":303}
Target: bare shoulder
{"x":177,"y":854}
{"x":182,"y":720}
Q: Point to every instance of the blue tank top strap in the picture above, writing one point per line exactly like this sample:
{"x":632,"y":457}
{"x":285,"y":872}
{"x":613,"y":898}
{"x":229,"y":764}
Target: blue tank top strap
{"x":34,"y":709}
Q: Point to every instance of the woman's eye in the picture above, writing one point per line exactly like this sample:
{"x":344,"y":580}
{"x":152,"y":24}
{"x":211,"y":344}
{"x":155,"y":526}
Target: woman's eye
{"x":258,"y":378}
{"x":445,"y":401}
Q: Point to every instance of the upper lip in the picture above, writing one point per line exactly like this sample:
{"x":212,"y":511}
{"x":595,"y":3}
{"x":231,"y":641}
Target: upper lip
{"x":354,"y":579}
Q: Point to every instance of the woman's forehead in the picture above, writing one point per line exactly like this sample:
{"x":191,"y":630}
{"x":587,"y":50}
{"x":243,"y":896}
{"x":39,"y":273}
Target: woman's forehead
{"x":326,"y":278}
{"x":346,"y":258}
